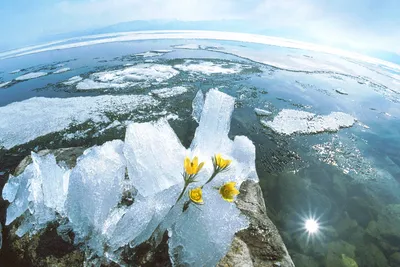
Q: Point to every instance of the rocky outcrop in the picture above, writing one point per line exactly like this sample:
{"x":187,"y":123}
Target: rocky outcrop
{"x":258,"y":245}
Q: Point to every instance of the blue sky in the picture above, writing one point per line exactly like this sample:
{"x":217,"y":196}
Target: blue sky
{"x":360,"y":25}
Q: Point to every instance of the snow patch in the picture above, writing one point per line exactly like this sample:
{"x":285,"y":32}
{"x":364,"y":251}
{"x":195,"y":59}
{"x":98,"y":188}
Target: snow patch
{"x":290,"y":121}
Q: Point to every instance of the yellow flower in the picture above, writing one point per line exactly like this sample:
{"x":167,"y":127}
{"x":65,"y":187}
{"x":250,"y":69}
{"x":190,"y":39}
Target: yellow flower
{"x":192,"y":167}
{"x":196,"y":195}
{"x":228,"y":191}
{"x":221,"y":162}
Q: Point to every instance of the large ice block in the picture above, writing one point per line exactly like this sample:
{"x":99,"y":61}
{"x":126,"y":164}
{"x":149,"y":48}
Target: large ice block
{"x":212,"y":134}
{"x":203,"y":234}
{"x":95,"y":187}
{"x":154,"y":156}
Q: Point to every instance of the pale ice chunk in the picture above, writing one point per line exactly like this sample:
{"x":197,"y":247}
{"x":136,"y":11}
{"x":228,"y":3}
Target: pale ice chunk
{"x":197,"y":106}
{"x":62,"y":70}
{"x":170,"y":92}
{"x":15,"y":71}
{"x":4,"y":84}
{"x":10,"y":189}
{"x":203,"y":234}
{"x":19,"y":198}
{"x":212,"y":134}
{"x":149,"y":54}
{"x":73,"y":80}
{"x":95,"y":187}
{"x":151,"y":211}
{"x":51,"y":182}
{"x":209,"y":68}
{"x":244,"y":153}
{"x":262,"y":112}
{"x":21,"y":122}
{"x":130,"y":76}
{"x":31,"y":75}
{"x":154,"y":156}
{"x":290,"y":121}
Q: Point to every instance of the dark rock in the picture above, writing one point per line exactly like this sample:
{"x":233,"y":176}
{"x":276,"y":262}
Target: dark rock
{"x":261,"y":242}
{"x":395,"y":259}
{"x":369,"y":255}
{"x":339,"y":254}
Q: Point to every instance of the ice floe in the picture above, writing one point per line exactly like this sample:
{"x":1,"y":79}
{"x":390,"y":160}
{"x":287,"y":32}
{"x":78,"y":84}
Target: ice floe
{"x":4,"y":84}
{"x":62,"y":70}
{"x":169,"y":92}
{"x":73,"y":80}
{"x":290,"y":121}
{"x":130,"y":76}
{"x":148,"y":164}
{"x":209,"y":68}
{"x":15,"y":71}
{"x":262,"y":112}
{"x":149,"y":54}
{"x":188,"y":46}
{"x":21,"y":122}
{"x":31,"y":75}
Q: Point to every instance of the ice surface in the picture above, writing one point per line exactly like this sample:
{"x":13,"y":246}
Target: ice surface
{"x":39,"y":116}
{"x":73,"y":80}
{"x":130,"y":76}
{"x":154,"y":163}
{"x":95,"y":187}
{"x":197,"y":106}
{"x":170,"y":92}
{"x":61,"y":70}
{"x":4,"y":84}
{"x":209,"y":68}
{"x":262,"y":112}
{"x":290,"y":121}
{"x":31,"y":75}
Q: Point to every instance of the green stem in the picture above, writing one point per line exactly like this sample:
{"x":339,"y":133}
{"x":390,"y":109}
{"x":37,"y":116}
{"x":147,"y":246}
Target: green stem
{"x":181,"y":195}
{"x":209,"y":180}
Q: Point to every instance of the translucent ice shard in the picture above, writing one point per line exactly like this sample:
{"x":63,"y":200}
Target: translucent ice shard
{"x":197,"y":106}
{"x":95,"y":187}
{"x":151,"y":211}
{"x":17,"y":191}
{"x":212,"y":133}
{"x":154,"y":156}
{"x":202,"y":235}
{"x":290,"y":121}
